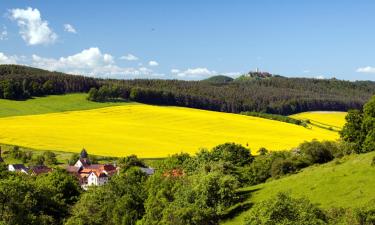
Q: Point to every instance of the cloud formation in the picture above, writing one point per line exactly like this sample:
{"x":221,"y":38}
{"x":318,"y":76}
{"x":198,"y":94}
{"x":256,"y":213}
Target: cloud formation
{"x":195,"y":73}
{"x":33,"y":29}
{"x":153,"y":63}
{"x":129,"y":57}
{"x":4,"y":59}
{"x":69,"y":28}
{"x":367,"y":69}
{"x":4,"y":33}
{"x":91,"y":62}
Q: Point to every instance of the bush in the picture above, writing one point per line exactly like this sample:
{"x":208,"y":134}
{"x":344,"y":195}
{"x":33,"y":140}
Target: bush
{"x":317,"y":152}
{"x":285,"y":210}
{"x":281,"y":167}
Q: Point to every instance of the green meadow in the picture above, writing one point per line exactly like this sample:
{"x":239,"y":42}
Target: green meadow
{"x":348,"y":182}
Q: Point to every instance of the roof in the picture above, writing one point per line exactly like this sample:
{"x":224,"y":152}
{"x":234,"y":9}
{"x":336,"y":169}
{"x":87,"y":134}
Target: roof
{"x":40,"y":169}
{"x":148,"y":171}
{"x":72,"y":169}
{"x":99,"y":174}
{"x":18,"y":166}
{"x":174,"y":173}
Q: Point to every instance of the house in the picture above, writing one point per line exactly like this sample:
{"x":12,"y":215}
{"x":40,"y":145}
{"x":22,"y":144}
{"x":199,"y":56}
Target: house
{"x":149,"y":171}
{"x":91,"y":174}
{"x":17,"y":168}
{"x":97,"y":178}
{"x":37,"y":170}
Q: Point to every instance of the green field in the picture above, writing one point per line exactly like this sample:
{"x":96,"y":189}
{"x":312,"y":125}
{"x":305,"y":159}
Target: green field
{"x":346,"y":182}
{"x":50,"y":104}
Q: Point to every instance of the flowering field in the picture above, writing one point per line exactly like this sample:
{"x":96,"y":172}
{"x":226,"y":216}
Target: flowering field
{"x":150,"y":131}
{"x":334,"y":120}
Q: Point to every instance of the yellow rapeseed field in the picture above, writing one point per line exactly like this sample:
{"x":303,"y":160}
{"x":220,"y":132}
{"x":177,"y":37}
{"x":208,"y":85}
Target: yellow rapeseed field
{"x":150,"y":131}
{"x":336,"y":120}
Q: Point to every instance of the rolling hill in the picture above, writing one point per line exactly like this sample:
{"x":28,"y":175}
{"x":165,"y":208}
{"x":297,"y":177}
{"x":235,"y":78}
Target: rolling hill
{"x":346,"y":182}
{"x":145,"y":130}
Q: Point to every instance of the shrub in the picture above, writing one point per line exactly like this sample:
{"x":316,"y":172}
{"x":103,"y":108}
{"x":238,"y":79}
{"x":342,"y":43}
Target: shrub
{"x":285,"y":210}
{"x":317,"y":152}
{"x":281,"y":167}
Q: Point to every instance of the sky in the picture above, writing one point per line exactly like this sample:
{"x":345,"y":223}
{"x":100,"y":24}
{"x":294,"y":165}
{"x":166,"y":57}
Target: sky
{"x":191,"y":39}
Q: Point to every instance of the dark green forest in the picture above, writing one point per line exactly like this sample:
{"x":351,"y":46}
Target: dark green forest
{"x":254,"y":92}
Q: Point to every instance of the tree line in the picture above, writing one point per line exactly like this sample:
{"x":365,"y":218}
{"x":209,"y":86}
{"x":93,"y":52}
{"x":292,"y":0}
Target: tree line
{"x":271,"y":94}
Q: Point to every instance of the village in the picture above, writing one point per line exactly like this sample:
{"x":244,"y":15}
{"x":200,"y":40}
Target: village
{"x":87,"y":173}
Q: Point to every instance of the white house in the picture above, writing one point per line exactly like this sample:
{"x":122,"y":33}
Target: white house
{"x":17,"y":168}
{"x":97,"y":179}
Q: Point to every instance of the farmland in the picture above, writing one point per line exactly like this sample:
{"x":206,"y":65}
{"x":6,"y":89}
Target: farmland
{"x":145,"y":130}
{"x":330,"y":120}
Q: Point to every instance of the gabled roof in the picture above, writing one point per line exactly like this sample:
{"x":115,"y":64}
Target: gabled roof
{"x":72,"y":169}
{"x":40,"y":169}
{"x":19,"y":167}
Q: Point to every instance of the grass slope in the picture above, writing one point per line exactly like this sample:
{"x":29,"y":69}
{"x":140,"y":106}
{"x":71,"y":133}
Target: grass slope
{"x":49,"y":104}
{"x":333,"y":120}
{"x":148,"y":131}
{"x":347,"y":182}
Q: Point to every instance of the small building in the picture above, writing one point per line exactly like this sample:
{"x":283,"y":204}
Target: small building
{"x":37,"y":170}
{"x":149,"y":171}
{"x":17,"y":168}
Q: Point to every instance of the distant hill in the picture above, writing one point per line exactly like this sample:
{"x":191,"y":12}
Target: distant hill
{"x":254,"y":76}
{"x":219,"y":79}
{"x":259,"y":92}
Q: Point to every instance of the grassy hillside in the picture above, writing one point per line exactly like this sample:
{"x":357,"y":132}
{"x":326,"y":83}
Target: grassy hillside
{"x":347,"y":182}
{"x":329,"y":120}
{"x":145,"y":130}
{"x":49,"y":104}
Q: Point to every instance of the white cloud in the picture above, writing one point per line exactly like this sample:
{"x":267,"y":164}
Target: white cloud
{"x":320,"y":77}
{"x":4,"y":59}
{"x":232,"y":74}
{"x":175,"y":71}
{"x":196,"y":73}
{"x":69,"y":28}
{"x":153,"y":63}
{"x":367,"y":69}
{"x":91,"y":62}
{"x":33,"y":29}
{"x":4,"y":34}
{"x":129,"y":57}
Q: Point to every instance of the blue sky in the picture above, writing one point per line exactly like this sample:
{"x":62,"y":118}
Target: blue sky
{"x":191,"y":39}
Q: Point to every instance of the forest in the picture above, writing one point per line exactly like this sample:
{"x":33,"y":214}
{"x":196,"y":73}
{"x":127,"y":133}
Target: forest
{"x":265,"y":94}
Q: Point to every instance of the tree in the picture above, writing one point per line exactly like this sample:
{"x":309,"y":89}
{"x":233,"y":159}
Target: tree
{"x":230,"y":152}
{"x":49,"y":158}
{"x":93,"y":94}
{"x":285,"y":210}
{"x":316,"y":152}
{"x":281,"y":167}
{"x":352,"y":130}
{"x":368,"y":126}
